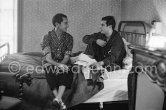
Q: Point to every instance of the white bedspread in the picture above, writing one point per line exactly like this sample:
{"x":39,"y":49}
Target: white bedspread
{"x":114,"y":90}
{"x":115,"y":82}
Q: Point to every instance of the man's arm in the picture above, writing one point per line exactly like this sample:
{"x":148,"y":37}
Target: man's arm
{"x":65,"y":59}
{"x":114,"y":52}
{"x":50,"y":60}
{"x":45,"y":45}
{"x":68,"y":51}
{"x":89,"y":39}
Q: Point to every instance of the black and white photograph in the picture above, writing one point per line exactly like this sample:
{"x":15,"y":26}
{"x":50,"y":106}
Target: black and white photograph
{"x":82,"y":55}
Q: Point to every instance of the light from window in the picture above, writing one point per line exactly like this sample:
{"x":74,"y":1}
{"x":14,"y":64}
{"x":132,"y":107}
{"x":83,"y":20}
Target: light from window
{"x":8,"y":23}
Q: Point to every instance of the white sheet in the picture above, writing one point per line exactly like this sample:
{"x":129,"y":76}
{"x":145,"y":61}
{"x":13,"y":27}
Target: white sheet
{"x":114,"y":90}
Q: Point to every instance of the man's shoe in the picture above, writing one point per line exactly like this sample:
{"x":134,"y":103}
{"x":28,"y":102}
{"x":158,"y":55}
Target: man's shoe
{"x":62,"y":106}
{"x":56,"y":103}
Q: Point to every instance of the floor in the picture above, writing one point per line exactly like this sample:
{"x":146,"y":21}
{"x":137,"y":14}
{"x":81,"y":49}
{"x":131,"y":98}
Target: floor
{"x":94,"y":106}
{"x":107,"y":106}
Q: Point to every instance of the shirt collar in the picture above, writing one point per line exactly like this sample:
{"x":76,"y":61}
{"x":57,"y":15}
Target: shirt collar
{"x":58,"y":32}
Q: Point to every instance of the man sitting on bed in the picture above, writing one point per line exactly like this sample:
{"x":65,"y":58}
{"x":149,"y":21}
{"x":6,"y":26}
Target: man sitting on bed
{"x":107,"y":46}
{"x":57,"y":46}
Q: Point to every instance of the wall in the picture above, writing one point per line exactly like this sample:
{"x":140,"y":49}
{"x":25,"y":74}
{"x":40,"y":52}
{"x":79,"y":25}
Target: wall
{"x":84,"y":18}
{"x":144,"y":10}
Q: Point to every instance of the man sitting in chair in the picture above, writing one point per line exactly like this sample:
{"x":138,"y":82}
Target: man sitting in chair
{"x":107,"y":46}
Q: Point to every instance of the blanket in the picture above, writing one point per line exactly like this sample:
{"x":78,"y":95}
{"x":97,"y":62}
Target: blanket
{"x":38,"y":92}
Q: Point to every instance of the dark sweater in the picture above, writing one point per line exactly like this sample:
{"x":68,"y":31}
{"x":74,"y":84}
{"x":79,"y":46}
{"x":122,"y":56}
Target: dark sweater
{"x":112,"y":53}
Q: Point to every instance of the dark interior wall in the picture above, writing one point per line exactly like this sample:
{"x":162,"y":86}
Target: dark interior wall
{"x":84,"y":18}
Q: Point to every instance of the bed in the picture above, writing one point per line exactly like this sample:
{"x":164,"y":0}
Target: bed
{"x":138,"y":89}
{"x":118,"y":87}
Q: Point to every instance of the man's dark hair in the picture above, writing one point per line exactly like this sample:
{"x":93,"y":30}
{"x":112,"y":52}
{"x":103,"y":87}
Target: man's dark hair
{"x":58,"y":18}
{"x":109,"y":21}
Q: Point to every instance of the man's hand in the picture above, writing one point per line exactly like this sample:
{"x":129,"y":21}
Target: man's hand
{"x":100,"y":42}
{"x":63,"y":67}
{"x":65,"y":59}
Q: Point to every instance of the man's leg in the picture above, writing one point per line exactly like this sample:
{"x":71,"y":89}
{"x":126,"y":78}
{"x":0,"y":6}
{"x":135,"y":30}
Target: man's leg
{"x":55,"y":92}
{"x":51,"y":79}
{"x":89,"y":51}
{"x":64,"y":81}
{"x":60,"y":92}
{"x":98,"y":53}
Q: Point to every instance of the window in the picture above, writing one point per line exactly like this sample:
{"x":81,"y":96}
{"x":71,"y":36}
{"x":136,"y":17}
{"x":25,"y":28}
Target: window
{"x":8,"y":24}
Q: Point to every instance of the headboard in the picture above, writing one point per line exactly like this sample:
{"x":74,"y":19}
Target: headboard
{"x":134,"y":32}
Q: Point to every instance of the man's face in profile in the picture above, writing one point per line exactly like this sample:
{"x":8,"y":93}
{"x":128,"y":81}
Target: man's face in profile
{"x":64,"y":25}
{"x":104,"y":28}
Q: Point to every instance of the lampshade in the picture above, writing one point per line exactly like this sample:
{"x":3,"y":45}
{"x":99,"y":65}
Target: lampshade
{"x":157,"y":42}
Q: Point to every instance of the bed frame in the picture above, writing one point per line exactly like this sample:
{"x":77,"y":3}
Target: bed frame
{"x":132,"y":36}
{"x":7,"y":50}
{"x":135,"y":33}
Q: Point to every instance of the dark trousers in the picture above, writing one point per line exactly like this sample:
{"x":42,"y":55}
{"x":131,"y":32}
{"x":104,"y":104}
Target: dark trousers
{"x":95,"y":51}
{"x":56,"y":77}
